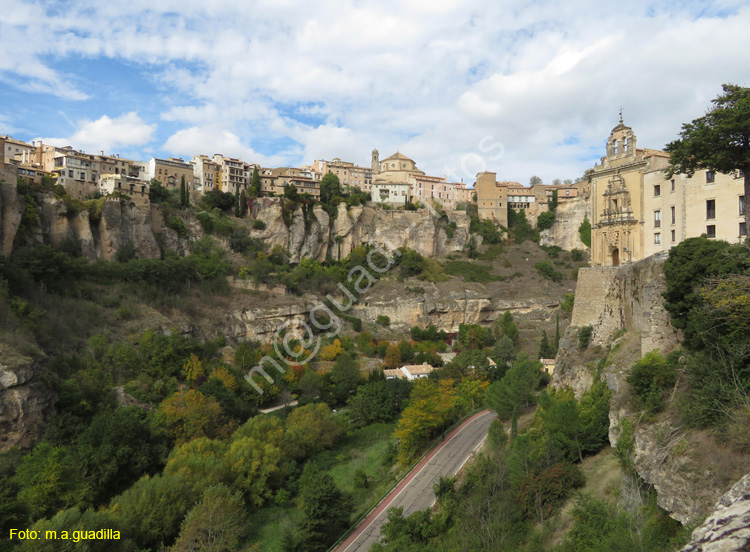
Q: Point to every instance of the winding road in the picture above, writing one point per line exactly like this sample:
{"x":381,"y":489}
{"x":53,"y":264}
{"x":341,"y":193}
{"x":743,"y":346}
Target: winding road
{"x":415,"y":491}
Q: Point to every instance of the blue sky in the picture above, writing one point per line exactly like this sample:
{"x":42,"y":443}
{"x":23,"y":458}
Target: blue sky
{"x":515,"y":87}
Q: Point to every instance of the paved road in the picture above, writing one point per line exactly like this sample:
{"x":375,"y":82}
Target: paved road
{"x":415,"y":491}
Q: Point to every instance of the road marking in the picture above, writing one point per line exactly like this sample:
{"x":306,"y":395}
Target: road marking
{"x":464,"y":463}
{"x":407,"y":486}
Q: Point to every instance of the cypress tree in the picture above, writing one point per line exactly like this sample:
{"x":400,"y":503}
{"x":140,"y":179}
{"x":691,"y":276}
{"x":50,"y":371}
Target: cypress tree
{"x":514,"y":423}
{"x":557,"y":333}
{"x":182,"y":191}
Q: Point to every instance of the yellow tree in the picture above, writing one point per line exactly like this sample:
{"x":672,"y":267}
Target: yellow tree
{"x":431,"y":407}
{"x":189,"y":414}
{"x":392,"y":356}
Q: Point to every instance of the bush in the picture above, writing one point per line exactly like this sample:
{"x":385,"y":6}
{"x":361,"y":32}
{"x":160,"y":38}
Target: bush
{"x":472,"y":272}
{"x":651,"y":377}
{"x":568,"y":302}
{"x":259,"y":225}
{"x":577,"y":255}
{"x":584,"y":230}
{"x":383,"y":320}
{"x":548,"y":271}
{"x":584,"y":337}
{"x":545,"y":220}
{"x":178,"y":225}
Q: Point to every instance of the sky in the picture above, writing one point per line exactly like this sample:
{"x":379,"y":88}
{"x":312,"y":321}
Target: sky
{"x":516,"y":87}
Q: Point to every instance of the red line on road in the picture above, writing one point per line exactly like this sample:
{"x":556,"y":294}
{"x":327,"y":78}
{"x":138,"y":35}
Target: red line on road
{"x":404,"y":482}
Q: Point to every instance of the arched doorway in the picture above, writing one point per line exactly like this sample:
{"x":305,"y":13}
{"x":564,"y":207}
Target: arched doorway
{"x":615,"y":257}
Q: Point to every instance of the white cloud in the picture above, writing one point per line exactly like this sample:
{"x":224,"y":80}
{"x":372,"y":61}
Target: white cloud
{"x":338,"y":79}
{"x":107,"y":134}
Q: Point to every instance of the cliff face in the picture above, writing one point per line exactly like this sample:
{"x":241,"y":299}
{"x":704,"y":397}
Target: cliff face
{"x":314,"y":237}
{"x":667,"y":456}
{"x":25,"y":400}
{"x":568,"y":218}
{"x":319,"y":238}
{"x":727,"y":529}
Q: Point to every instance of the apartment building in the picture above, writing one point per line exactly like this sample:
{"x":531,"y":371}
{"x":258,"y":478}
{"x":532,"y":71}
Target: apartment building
{"x":350,"y":175}
{"x":235,"y":173}
{"x":207,"y":174}
{"x":170,"y":172}
{"x":136,"y":189}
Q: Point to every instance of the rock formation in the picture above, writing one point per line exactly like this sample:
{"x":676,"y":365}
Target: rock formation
{"x":568,"y":218}
{"x":25,"y":400}
{"x":727,"y":528}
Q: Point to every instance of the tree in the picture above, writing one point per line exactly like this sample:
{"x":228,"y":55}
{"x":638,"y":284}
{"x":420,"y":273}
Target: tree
{"x":310,"y":429}
{"x":535,"y":180}
{"x":516,"y":388}
{"x":393,"y":356}
{"x":243,"y":203}
{"x":290,"y":192}
{"x":345,"y":376}
{"x":431,"y":407}
{"x":584,"y":231}
{"x":545,"y":349}
{"x":554,"y":201}
{"x":157,"y":193}
{"x":325,"y":507}
{"x":215,"y":524}
{"x":183,"y":192}
{"x":255,"y":184}
{"x":329,"y":188}
{"x":718,"y":141}
{"x":545,"y":220}
{"x":508,"y":327}
{"x":189,"y":414}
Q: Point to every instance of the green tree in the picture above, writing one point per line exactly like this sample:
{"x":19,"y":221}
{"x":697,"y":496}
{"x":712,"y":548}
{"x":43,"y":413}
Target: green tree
{"x":330,"y":188}
{"x":243,"y":204}
{"x":545,"y":349}
{"x":508,"y":327}
{"x":253,"y":465}
{"x":183,"y":192}
{"x":290,"y":192}
{"x":584,"y":231}
{"x":50,"y":480}
{"x":718,"y":141}
{"x":255,"y":184}
{"x":216,"y":524}
{"x":553,"y":202}
{"x":325,"y":507}
{"x":545,"y":220}
{"x":345,"y":376}
{"x":516,"y":388}
{"x":310,"y":429}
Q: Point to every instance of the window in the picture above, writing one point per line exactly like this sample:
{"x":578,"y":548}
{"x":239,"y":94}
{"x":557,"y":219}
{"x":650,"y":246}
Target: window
{"x":672,"y":184}
{"x":657,"y":219}
{"x":711,"y":231}
{"x":657,"y":190}
{"x":673,"y":236}
{"x":70,"y":174}
{"x":710,"y":177}
{"x":673,"y":214}
{"x":743,"y":229}
{"x":710,"y":209}
{"x":742,"y":205}
{"x":657,"y":238}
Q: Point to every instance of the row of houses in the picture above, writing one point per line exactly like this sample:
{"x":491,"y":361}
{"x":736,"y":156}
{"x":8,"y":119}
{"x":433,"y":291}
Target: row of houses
{"x":395,"y":180}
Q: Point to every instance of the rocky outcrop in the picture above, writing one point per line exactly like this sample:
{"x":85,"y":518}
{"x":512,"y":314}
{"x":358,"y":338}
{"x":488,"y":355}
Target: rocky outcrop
{"x":625,"y":308}
{"x":11,"y":210}
{"x":727,"y":529}
{"x":25,"y":400}
{"x":568,"y":218}
{"x":317,"y":237}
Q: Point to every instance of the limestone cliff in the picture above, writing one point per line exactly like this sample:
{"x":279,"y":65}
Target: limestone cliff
{"x":568,"y":218}
{"x":727,"y":529}
{"x":314,"y":236}
{"x":624,"y":306}
{"x":25,"y":399}
{"x":319,"y":238}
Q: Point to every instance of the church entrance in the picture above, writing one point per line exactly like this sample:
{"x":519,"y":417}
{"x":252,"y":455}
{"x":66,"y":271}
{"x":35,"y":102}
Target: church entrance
{"x":615,"y":257}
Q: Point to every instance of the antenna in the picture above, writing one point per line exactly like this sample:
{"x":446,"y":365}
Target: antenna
{"x":621,"y":114}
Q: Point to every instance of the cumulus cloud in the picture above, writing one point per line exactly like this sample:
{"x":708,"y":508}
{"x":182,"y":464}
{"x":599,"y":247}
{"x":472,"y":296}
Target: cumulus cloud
{"x":287,"y":82}
{"x":108,"y":134}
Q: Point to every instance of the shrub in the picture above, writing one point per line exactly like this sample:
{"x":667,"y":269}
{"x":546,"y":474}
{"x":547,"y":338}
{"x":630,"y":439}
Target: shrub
{"x":178,"y":225}
{"x":650,"y":377}
{"x":568,"y":302}
{"x":545,"y":220}
{"x":576,"y":255}
{"x":472,"y":272}
{"x":548,"y":271}
{"x":259,"y":225}
{"x":383,"y":320}
{"x":584,"y":230}
{"x":584,"y":337}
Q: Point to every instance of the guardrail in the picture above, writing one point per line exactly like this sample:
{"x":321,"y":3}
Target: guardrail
{"x":435,"y":442}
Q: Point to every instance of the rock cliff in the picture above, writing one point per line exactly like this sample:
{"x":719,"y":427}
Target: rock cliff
{"x":25,"y":400}
{"x":727,"y":529}
{"x":568,"y":218}
{"x":624,"y":306}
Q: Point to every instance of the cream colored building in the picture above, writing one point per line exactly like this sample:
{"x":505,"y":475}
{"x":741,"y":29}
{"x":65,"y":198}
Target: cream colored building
{"x":350,"y":175}
{"x":617,"y":198}
{"x":394,"y":169}
{"x":207,"y":174}
{"x":492,"y":198}
{"x":170,"y":172}
{"x":16,"y":149}
{"x":683,"y":207}
{"x":235,"y":174}
{"x":391,"y":193}
{"x":137,"y":190}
